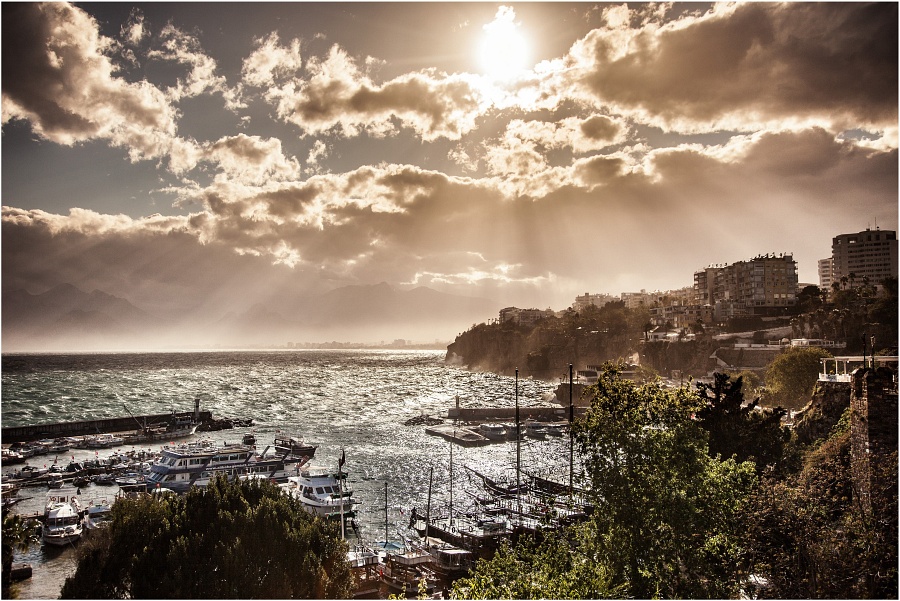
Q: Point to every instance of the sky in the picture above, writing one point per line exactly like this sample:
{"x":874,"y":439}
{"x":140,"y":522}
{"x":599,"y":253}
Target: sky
{"x":216,"y":154}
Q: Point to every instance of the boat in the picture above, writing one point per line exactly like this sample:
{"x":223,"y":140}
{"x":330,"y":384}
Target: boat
{"x":97,"y":514}
{"x":493,"y":431}
{"x":55,"y":480}
{"x":249,"y":439}
{"x":403,"y":573}
{"x":105,"y":441}
{"x":62,"y":519}
{"x":181,"y":466}
{"x":365,"y":565}
{"x":292,"y":446}
{"x":535,"y":429}
{"x":178,"y":426}
{"x":450,"y":562}
{"x":323,"y":493}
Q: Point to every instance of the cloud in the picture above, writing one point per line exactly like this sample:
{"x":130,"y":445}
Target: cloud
{"x":335,"y":93}
{"x":64,"y":85}
{"x":747,"y":65}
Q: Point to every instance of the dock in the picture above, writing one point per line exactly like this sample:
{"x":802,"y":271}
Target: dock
{"x":93,"y":426}
{"x":542,"y":414}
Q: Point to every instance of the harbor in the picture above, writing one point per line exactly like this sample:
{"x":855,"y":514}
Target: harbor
{"x":308,"y":400}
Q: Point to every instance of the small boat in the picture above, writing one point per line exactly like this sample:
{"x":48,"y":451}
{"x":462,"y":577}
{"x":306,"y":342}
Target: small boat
{"x":97,"y":514}
{"x":104,"y":480}
{"x":535,"y":429}
{"x":249,"y":439}
{"x":493,"y":431}
{"x":55,"y":480}
{"x":62,"y":519}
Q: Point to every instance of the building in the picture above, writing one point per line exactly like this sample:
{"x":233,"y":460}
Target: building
{"x":525,"y":317}
{"x":763,"y":285}
{"x":597,"y":300}
{"x":826,"y":267}
{"x":869,"y":255}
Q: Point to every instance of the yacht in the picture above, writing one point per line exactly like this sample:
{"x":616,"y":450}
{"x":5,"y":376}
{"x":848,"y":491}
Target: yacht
{"x":493,"y":431}
{"x":97,"y":514}
{"x":62,"y":518}
{"x":195,"y":464}
{"x":323,"y":493}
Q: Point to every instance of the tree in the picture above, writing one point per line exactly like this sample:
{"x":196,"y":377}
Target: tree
{"x":666,"y":513}
{"x":18,"y":534}
{"x":229,"y":540}
{"x":790,"y":378}
{"x":738,"y":429}
{"x":555,"y":568}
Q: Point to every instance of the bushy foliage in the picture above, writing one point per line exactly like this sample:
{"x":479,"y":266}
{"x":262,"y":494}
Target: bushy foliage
{"x":791,"y":377}
{"x":741,"y":429}
{"x":808,"y":538}
{"x":666,"y":517}
{"x":230,"y":540}
{"x":556,"y":568}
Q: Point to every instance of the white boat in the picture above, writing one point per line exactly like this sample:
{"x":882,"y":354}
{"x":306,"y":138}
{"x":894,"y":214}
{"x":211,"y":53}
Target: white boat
{"x":535,"y":429}
{"x":62,"y":518}
{"x":55,"y":480}
{"x":493,"y":431}
{"x":97,"y":514}
{"x":322,"y":493}
{"x":194,"y":464}
{"x":105,"y":441}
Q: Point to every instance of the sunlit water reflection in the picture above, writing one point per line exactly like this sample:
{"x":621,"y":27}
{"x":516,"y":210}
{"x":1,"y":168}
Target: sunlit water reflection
{"x":352,"y":400}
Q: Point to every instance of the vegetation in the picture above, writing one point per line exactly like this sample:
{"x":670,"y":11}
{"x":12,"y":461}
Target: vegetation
{"x":18,"y":535}
{"x":230,"y":540}
{"x":791,"y":377}
{"x":666,"y":518}
{"x":740,"y":429}
{"x":809,"y":538}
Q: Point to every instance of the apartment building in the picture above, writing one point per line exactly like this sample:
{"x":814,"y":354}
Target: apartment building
{"x":759,"y":286}
{"x":870,"y":254}
{"x":826,"y":268}
{"x":597,"y":300}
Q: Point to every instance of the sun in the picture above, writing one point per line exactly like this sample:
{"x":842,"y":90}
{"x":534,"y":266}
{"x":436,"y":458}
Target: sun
{"x":504,"y":51}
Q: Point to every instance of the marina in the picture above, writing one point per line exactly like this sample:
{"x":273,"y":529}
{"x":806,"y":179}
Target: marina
{"x":380,"y":448}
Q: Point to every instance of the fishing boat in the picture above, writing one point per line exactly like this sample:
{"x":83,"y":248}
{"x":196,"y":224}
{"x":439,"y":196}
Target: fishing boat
{"x":178,"y":426}
{"x":62,"y":519}
{"x":182,"y":466}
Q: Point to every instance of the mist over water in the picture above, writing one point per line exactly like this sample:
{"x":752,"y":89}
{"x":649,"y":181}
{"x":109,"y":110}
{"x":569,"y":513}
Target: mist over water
{"x":356,"y":401}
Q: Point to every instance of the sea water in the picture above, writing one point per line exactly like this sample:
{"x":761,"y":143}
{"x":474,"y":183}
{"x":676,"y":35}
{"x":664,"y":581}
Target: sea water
{"x":344,"y":401}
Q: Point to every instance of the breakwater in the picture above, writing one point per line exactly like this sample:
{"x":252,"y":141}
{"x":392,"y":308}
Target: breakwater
{"x":94,"y":426}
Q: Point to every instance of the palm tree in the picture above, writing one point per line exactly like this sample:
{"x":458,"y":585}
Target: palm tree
{"x":18,"y":535}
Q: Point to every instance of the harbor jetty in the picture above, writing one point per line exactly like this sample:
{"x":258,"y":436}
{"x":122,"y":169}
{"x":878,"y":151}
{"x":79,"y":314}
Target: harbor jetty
{"x":93,"y":426}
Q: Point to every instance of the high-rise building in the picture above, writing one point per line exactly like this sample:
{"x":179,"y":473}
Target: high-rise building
{"x":869,"y":255}
{"x":826,"y":267}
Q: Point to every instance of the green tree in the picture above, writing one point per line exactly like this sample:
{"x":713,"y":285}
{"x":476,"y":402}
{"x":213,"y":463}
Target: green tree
{"x":738,"y":429}
{"x":555,"y":568}
{"x":791,"y":377}
{"x":18,"y":535}
{"x":666,"y":513}
{"x":229,"y":540}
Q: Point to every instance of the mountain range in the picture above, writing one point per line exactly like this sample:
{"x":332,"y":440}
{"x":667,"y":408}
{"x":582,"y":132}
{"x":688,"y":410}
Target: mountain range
{"x":68,"y":318}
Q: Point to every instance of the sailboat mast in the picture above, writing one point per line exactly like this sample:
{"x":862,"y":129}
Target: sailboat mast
{"x":571,"y":435}
{"x":385,"y":516}
{"x":428,"y":507}
{"x":451,"y":483}
{"x":518,"y":447}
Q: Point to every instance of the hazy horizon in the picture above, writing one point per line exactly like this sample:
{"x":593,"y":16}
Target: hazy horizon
{"x":205,"y":160}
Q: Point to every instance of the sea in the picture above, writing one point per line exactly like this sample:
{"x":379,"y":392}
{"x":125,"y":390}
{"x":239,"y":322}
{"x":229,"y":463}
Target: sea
{"x":350,"y":402}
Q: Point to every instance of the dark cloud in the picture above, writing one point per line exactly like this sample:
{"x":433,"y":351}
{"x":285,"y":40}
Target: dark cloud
{"x":763,"y":61}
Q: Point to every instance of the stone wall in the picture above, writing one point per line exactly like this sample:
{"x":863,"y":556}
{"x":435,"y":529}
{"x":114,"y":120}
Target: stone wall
{"x":873,"y":427}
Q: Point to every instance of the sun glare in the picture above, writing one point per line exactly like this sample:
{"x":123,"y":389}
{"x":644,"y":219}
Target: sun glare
{"x":504,"y":50}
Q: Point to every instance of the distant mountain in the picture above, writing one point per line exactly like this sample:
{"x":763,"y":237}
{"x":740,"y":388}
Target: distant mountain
{"x":66,"y":317}
{"x":69,"y":316}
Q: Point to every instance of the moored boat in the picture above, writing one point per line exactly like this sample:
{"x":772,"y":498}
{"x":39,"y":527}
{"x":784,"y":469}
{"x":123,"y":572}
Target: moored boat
{"x":194,"y":464}
{"x":97,"y":514}
{"x":493,"y":431}
{"x":323,"y":493}
{"x":62,"y":519}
